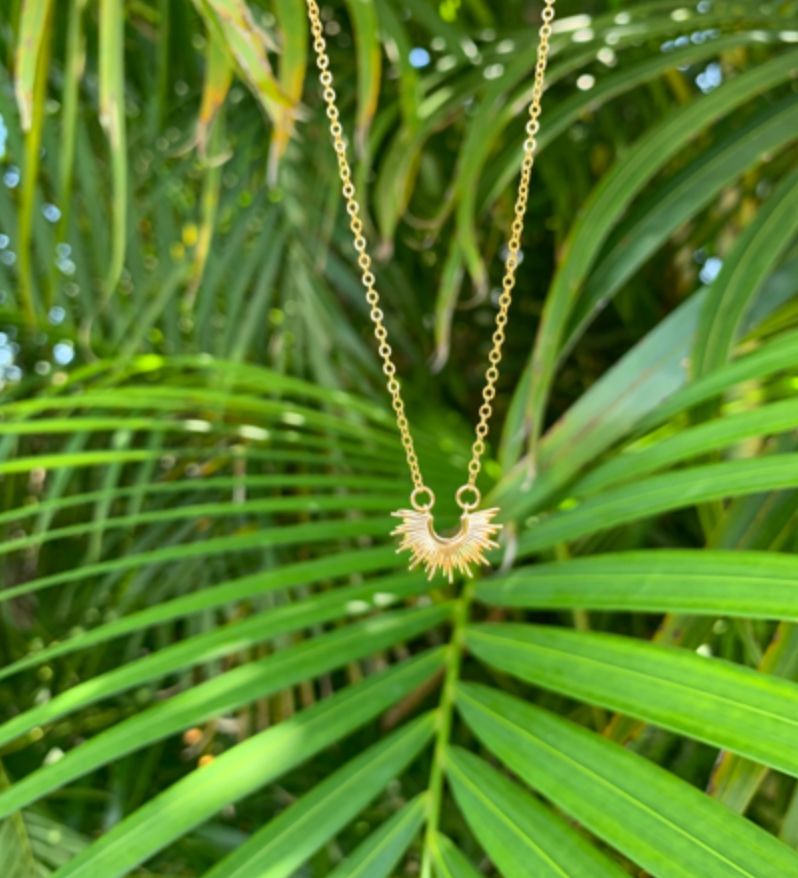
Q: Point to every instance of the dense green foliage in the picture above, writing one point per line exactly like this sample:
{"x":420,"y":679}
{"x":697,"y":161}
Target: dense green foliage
{"x":212,"y":662}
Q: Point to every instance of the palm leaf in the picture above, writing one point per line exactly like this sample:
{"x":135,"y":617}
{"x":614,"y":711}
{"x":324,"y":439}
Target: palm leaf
{"x":664,"y":825}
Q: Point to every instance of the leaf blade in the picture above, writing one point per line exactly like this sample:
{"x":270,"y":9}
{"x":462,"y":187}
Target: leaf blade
{"x":609,"y":200}
{"x":32,"y":27}
{"x":659,"y":821}
{"x":678,"y":201}
{"x":749,"y":584}
{"x":519,"y":834}
{"x":692,"y":442}
{"x":658,"y":494}
{"x":751,"y":260}
{"x":243,"y":769}
{"x":208,"y":646}
{"x":247,"y":43}
{"x":218,"y":696}
{"x":449,"y":861}
{"x":290,"y":839}
{"x":378,"y":855}
{"x":711,"y":700}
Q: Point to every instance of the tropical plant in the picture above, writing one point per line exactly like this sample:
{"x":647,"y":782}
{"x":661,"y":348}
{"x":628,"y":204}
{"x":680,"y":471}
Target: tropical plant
{"x":213,"y":661}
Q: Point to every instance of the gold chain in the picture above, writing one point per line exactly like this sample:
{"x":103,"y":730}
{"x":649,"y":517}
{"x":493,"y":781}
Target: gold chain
{"x":368,"y":279}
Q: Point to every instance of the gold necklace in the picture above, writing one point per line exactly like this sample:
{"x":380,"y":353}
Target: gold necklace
{"x":417,"y":530}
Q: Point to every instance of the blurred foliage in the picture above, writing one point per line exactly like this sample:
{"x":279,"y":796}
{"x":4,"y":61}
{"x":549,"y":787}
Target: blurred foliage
{"x":211,"y":660}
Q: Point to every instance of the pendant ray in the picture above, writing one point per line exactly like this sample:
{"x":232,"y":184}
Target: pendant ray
{"x":459,"y":552}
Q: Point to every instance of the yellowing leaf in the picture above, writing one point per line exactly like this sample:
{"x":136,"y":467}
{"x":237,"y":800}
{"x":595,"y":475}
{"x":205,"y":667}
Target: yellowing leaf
{"x":293,"y":64}
{"x":218,"y":75}
{"x":363,"y":15}
{"x":247,"y":43}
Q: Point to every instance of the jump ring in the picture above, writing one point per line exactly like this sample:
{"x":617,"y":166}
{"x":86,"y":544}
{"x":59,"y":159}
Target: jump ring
{"x":422,"y":507}
{"x":468,"y":507}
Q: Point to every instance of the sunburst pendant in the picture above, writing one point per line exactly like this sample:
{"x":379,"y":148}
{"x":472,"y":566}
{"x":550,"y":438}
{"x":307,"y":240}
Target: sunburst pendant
{"x":459,"y":552}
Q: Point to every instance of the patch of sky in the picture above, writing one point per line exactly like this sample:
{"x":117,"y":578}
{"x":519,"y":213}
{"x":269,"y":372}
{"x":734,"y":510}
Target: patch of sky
{"x":419,"y":57}
{"x":12,"y":177}
{"x":56,"y":315}
{"x":710,"y":78}
{"x":51,"y":213}
{"x":63,"y":353}
{"x":710,"y":269}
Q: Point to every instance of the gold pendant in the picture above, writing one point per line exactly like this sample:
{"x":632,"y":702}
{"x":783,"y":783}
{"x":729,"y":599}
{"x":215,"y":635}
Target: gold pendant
{"x":446,"y":553}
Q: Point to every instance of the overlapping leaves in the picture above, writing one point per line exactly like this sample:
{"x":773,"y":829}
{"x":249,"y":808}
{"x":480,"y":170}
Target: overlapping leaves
{"x":220,"y":528}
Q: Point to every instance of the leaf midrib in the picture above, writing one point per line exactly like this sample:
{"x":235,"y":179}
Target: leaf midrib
{"x":617,"y":790}
{"x":514,"y":827}
{"x":646,"y":677}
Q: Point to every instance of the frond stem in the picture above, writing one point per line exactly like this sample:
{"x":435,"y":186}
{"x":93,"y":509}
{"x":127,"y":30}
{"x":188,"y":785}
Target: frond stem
{"x":445,"y":713}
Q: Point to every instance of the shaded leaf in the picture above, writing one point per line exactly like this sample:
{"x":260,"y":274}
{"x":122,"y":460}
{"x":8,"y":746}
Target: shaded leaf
{"x":607,"y":203}
{"x":378,"y":855}
{"x":206,"y":647}
{"x":658,"y":494}
{"x":280,"y":847}
{"x":748,"y":264}
{"x":112,"y":117}
{"x":221,"y":695}
{"x":244,"y":769}
{"x":649,"y":227}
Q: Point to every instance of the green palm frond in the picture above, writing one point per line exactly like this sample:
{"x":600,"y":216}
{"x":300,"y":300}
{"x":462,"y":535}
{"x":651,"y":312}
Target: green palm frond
{"x":213,"y":660}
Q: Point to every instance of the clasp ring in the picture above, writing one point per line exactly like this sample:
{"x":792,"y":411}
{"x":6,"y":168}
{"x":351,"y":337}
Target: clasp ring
{"x":468,"y":507}
{"x":422,"y":507}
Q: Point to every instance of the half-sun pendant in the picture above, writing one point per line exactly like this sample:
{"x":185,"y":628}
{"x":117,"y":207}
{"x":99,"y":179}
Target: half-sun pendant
{"x":459,"y":552}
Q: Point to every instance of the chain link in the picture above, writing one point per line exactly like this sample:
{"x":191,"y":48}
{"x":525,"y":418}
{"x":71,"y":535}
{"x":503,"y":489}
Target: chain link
{"x":513,"y":247}
{"x":364,"y":260}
